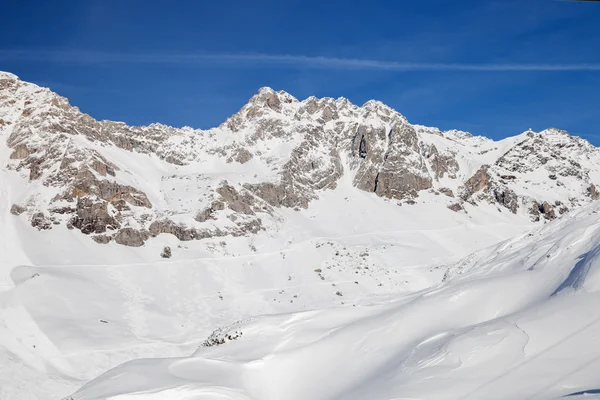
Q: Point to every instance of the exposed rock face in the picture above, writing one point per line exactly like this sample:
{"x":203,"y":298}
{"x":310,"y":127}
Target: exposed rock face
{"x":85,"y":183}
{"x":480,"y":181}
{"x":21,"y":151}
{"x":166,"y":226}
{"x":548,"y":210}
{"x":456,"y":207}
{"x":447,"y":191}
{"x":441,"y":164}
{"x":284,"y":194}
{"x":40,"y":221}
{"x":102,"y":239}
{"x":274,"y":152}
{"x":389,"y":162}
{"x":592,"y":191}
{"x":93,"y":217}
{"x":131,"y":237}
{"x":507,"y":198}
{"x":209,"y":212}
{"x":16,"y":209}
{"x":241,"y":155}
{"x":166,"y":253}
{"x":241,"y":203}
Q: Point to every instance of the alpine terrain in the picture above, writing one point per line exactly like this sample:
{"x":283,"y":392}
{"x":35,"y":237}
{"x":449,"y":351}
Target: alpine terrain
{"x":310,"y":249}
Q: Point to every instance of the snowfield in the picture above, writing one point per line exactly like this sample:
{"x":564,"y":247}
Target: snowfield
{"x":73,"y":309}
{"x":519,"y":320}
{"x":317,"y":250}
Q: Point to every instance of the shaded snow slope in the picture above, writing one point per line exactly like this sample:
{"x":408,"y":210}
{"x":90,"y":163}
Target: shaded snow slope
{"x":515,"y":321}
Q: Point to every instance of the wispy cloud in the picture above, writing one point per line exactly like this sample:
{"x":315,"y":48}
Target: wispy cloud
{"x":272,"y":60}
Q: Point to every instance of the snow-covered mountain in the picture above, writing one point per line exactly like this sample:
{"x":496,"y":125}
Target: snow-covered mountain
{"x":127,"y":184}
{"x":123,"y":242}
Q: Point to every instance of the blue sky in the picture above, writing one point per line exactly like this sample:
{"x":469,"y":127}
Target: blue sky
{"x":494,"y":67}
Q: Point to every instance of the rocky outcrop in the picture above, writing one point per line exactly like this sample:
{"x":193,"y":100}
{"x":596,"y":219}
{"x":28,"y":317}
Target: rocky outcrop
{"x":102,"y":239}
{"x":482,"y":186}
{"x":389,"y":163}
{"x":548,"y":210}
{"x":593,"y":192}
{"x":131,"y":237}
{"x":478,"y":182}
{"x":241,"y":203}
{"x":209,"y":212}
{"x":456,"y":207}
{"x":16,"y":209}
{"x":40,"y":221}
{"x":440,"y":164}
{"x":285,"y":194}
{"x":506,"y":198}
{"x":166,"y":253}
{"x":240,"y":155}
{"x":93,"y":217}
{"x":85,"y":183}
{"x":447,"y":191}
{"x":20,"y":152}
{"x":181,"y":232}
{"x":92,"y":181}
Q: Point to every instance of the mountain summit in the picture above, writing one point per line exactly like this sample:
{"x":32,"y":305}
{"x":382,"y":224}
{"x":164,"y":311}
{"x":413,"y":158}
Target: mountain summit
{"x":88,"y":175}
{"x":137,"y":242}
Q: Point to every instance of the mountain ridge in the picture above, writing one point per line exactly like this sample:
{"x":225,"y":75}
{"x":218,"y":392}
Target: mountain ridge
{"x":289,"y":209}
{"x":295,"y":149}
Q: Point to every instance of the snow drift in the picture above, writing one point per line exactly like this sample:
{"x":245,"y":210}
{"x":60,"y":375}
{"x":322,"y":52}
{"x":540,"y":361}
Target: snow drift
{"x":515,"y":321}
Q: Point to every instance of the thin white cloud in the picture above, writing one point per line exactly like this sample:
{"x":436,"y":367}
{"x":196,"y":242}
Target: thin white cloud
{"x":271,"y":60}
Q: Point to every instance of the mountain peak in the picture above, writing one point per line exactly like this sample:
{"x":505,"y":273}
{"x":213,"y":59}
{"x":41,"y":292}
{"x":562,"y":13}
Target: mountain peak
{"x":8,"y":76}
{"x":269,"y":98}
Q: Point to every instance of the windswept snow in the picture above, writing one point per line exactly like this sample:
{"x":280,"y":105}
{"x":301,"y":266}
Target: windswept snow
{"x":332,"y":252}
{"x":72,"y":309}
{"x":515,"y":321}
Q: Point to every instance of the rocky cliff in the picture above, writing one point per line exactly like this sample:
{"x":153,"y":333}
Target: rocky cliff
{"x":126,"y":184}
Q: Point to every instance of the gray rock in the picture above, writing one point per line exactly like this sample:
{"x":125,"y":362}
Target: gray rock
{"x":507,"y":198}
{"x":481,"y":180}
{"x":16,"y":209}
{"x":39,"y":221}
{"x":86,"y":183}
{"x":93,"y":217}
{"x":166,"y":253}
{"x":389,"y":163}
{"x":592,"y":192}
{"x":456,"y":207}
{"x":20,"y":152}
{"x":448,"y":192}
{"x":208,"y":212}
{"x":131,"y":237}
{"x":241,"y":203}
{"x":167,"y":226}
{"x":102,"y":239}
{"x":548,"y":210}
{"x":242,"y":155}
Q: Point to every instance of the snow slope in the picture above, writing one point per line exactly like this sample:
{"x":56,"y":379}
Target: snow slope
{"x":72,"y":309}
{"x":311,"y":226}
{"x":518,"y":320}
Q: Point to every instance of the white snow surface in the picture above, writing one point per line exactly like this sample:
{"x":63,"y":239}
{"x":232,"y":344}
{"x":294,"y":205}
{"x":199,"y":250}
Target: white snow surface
{"x":355,"y":297}
{"x":518,"y":320}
